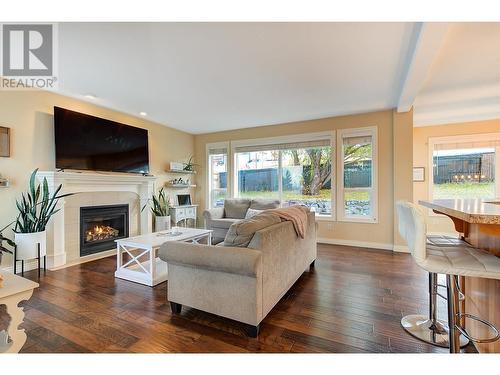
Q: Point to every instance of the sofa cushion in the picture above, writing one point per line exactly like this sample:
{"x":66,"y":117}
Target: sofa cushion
{"x":223,"y":223}
{"x":264,"y":204}
{"x":236,"y":208}
{"x":241,"y":233}
{"x":251,"y":213}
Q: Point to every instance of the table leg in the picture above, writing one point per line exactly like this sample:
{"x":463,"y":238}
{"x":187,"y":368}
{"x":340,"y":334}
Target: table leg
{"x":118,"y":257}
{"x":16,"y":313}
{"x":209,"y":240}
{"x":152,"y":265}
{"x":39,"y":260}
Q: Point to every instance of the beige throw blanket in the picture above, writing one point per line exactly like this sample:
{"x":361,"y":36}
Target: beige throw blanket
{"x":296,"y":214}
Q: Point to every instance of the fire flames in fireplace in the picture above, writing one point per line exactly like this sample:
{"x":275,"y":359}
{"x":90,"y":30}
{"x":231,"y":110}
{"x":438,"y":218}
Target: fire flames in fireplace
{"x":100,"y":233}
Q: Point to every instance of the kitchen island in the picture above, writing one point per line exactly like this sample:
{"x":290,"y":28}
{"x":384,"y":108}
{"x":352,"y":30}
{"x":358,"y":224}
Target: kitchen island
{"x":478,"y":222}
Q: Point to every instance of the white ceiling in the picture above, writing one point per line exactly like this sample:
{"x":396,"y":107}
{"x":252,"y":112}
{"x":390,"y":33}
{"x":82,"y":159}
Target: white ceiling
{"x":206,"y":77}
{"x":464,"y":81}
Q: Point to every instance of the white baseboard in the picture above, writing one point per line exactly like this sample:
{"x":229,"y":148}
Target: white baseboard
{"x":29,"y":265}
{"x":401,"y":249}
{"x":85,"y":259}
{"x":32,"y":263}
{"x":370,"y":245}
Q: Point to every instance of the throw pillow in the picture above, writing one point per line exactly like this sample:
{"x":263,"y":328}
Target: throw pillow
{"x":241,"y":233}
{"x":251,"y":213}
{"x":236,"y":208}
{"x":264,"y":204}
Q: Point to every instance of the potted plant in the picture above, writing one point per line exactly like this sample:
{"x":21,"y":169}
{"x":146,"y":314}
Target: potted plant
{"x":35,"y":208}
{"x":9,"y":242}
{"x":189,"y":166}
{"x":160,"y":207}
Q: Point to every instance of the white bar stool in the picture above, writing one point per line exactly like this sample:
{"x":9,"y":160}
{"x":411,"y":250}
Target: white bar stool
{"x":452,"y":257}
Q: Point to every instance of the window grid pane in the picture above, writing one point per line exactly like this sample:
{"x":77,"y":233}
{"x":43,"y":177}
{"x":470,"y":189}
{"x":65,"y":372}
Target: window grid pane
{"x":358,"y":176}
{"x":218,"y":179}
{"x":306,"y":178}
{"x":294,"y":176}
{"x":464,"y":173}
{"x":258,"y":174}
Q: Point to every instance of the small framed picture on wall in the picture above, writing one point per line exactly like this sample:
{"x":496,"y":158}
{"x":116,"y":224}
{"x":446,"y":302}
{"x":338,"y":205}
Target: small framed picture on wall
{"x":418,"y":174}
{"x":4,"y":142}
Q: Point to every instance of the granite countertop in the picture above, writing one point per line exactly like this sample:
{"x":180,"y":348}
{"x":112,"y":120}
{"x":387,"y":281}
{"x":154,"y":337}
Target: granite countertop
{"x":474,"y":211}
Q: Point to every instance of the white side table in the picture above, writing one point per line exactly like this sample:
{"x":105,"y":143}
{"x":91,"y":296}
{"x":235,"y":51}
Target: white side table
{"x":183,"y":214}
{"x":15,"y":289}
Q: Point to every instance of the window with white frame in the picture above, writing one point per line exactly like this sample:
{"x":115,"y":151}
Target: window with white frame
{"x":465,"y":166}
{"x":298,"y":172}
{"x":217,"y":158}
{"x":357,"y":178}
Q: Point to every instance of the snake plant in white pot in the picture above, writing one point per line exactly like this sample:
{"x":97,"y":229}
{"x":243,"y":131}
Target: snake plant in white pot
{"x":36,"y":208}
{"x":160,"y":207}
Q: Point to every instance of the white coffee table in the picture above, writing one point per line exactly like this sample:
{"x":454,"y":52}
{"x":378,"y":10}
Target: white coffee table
{"x":143,"y":266}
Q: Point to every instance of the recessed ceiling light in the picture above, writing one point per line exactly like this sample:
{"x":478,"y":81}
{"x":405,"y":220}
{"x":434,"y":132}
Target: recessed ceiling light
{"x":143,"y":113}
{"x":90,"y":96}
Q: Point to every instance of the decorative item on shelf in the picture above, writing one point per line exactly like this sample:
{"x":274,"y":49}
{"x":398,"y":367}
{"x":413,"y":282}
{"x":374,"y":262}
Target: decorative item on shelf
{"x":180,"y":183}
{"x":176,"y":166}
{"x":4,"y":142}
{"x":8,"y":241}
{"x":189,"y":166}
{"x":160,"y":207}
{"x":3,"y":182}
{"x":36,"y":208}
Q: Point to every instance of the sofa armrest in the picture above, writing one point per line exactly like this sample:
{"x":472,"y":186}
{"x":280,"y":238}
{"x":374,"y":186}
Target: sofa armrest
{"x":213,"y":213}
{"x":235,"y":260}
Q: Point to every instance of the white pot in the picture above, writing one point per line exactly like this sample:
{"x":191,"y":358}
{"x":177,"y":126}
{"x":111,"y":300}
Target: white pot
{"x":162,"y":223}
{"x":26,"y":245}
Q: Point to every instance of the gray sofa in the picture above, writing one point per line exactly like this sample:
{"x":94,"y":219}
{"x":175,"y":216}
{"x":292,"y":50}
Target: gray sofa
{"x":240,"y":283}
{"x":220,"y":219}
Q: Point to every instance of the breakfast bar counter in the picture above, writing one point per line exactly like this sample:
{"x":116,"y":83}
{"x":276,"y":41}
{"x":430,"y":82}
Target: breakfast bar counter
{"x":478,"y":222}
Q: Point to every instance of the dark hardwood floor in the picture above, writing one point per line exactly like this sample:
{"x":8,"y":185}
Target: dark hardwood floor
{"x":352,"y":302}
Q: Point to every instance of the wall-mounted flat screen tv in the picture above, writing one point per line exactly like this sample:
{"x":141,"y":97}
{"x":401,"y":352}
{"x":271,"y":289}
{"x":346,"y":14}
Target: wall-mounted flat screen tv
{"x":85,"y":142}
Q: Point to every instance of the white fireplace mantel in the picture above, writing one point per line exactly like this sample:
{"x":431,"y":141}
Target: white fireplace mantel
{"x":91,"y":182}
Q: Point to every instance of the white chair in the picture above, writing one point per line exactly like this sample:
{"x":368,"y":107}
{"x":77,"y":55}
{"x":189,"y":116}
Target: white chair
{"x":452,"y":257}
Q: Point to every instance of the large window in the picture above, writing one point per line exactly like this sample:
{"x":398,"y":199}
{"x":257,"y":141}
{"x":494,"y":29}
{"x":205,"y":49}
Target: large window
{"x":217,"y":174}
{"x":335,"y":174}
{"x":293,"y":173}
{"x":357,"y":177}
{"x":465,"y":166}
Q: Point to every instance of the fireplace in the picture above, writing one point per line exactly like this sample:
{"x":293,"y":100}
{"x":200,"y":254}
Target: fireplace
{"x":100,"y":226}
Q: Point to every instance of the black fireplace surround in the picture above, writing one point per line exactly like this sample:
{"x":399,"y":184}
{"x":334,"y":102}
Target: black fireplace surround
{"x":100,"y":226}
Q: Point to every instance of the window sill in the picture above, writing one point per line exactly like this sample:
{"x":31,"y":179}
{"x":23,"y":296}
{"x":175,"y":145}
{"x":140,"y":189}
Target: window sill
{"x":358,"y":220}
{"x":324,"y":218}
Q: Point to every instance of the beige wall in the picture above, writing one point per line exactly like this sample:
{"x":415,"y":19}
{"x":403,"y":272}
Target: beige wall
{"x":403,"y":166}
{"x":421,"y":137}
{"x":380,"y":234}
{"x":29,"y":114}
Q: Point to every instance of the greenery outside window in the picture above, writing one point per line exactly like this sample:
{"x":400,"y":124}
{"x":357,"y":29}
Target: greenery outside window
{"x":357,"y":179}
{"x":465,"y":167}
{"x":297,"y":172}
